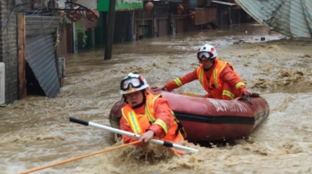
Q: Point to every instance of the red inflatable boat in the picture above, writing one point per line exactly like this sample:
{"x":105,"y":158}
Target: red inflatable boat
{"x":206,"y":119}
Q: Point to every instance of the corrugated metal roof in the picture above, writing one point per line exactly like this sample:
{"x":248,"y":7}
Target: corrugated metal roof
{"x":292,"y":18}
{"x":41,"y":58}
{"x":41,"y":25}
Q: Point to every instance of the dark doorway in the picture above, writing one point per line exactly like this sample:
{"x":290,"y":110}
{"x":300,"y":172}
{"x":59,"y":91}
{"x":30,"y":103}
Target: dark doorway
{"x":32,"y":84}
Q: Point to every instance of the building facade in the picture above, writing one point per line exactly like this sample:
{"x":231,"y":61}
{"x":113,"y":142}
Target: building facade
{"x":27,"y":49}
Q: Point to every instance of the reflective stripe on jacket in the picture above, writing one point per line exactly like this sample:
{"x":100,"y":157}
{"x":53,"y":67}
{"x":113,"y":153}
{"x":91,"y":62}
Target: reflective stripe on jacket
{"x":214,"y":84}
{"x":140,"y":123}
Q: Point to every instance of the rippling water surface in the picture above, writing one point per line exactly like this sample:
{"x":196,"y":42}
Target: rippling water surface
{"x":35,"y":131}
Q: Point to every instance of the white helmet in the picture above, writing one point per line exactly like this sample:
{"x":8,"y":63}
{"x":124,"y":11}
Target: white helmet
{"x":132,"y":82}
{"x":207,"y":51}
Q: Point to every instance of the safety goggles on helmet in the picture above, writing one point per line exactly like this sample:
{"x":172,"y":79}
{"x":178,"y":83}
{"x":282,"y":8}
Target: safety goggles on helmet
{"x":206,"y":55}
{"x":131,"y":81}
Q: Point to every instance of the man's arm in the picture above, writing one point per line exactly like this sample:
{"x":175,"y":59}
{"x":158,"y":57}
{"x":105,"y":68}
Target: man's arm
{"x":233,"y":80}
{"x":180,"y":81}
{"x":164,"y":118}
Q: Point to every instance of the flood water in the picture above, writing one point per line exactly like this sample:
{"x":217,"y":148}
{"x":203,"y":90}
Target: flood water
{"x":36,"y":131}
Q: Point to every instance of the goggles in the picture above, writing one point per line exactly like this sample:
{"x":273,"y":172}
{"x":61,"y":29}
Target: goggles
{"x":206,"y":55}
{"x":133,"y":81}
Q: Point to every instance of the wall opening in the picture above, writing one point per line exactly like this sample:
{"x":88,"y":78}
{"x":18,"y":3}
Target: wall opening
{"x":32,"y":85}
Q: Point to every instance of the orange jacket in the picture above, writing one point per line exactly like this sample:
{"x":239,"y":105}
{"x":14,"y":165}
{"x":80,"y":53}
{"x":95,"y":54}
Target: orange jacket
{"x":155,"y":115}
{"x":229,"y":82}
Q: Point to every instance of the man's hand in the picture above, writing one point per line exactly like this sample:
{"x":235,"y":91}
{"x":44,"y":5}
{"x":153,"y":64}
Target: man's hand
{"x":147,"y":136}
{"x":246,"y":92}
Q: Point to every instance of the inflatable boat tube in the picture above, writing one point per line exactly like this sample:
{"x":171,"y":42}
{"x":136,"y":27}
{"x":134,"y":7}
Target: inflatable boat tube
{"x":206,"y":119}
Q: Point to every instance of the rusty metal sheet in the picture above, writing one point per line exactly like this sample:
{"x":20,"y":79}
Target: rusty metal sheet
{"x":181,"y":25}
{"x":163,"y":27}
{"x":205,"y":15}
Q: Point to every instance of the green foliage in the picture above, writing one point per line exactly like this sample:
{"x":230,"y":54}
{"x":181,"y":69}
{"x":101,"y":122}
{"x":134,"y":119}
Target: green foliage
{"x":84,"y":36}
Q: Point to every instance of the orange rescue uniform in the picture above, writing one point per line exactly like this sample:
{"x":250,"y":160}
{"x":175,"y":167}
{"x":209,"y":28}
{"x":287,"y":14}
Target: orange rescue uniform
{"x":155,"y":115}
{"x":221,"y":81}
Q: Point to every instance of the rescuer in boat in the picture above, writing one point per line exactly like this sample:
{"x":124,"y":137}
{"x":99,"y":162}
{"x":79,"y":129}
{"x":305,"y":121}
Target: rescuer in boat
{"x":147,"y":114}
{"x":217,"y":77}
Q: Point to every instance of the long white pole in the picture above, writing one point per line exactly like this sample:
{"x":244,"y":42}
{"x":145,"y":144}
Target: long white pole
{"x":130,"y":134}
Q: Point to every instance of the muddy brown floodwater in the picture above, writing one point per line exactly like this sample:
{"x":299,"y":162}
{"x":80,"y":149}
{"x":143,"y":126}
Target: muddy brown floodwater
{"x":35,"y":131}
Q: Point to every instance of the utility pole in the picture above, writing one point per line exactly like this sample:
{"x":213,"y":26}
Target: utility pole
{"x":110,"y":30}
{"x":21,"y":42}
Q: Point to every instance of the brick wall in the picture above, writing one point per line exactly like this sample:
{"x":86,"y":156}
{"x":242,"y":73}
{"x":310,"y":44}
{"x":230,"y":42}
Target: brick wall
{"x":8,"y":49}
